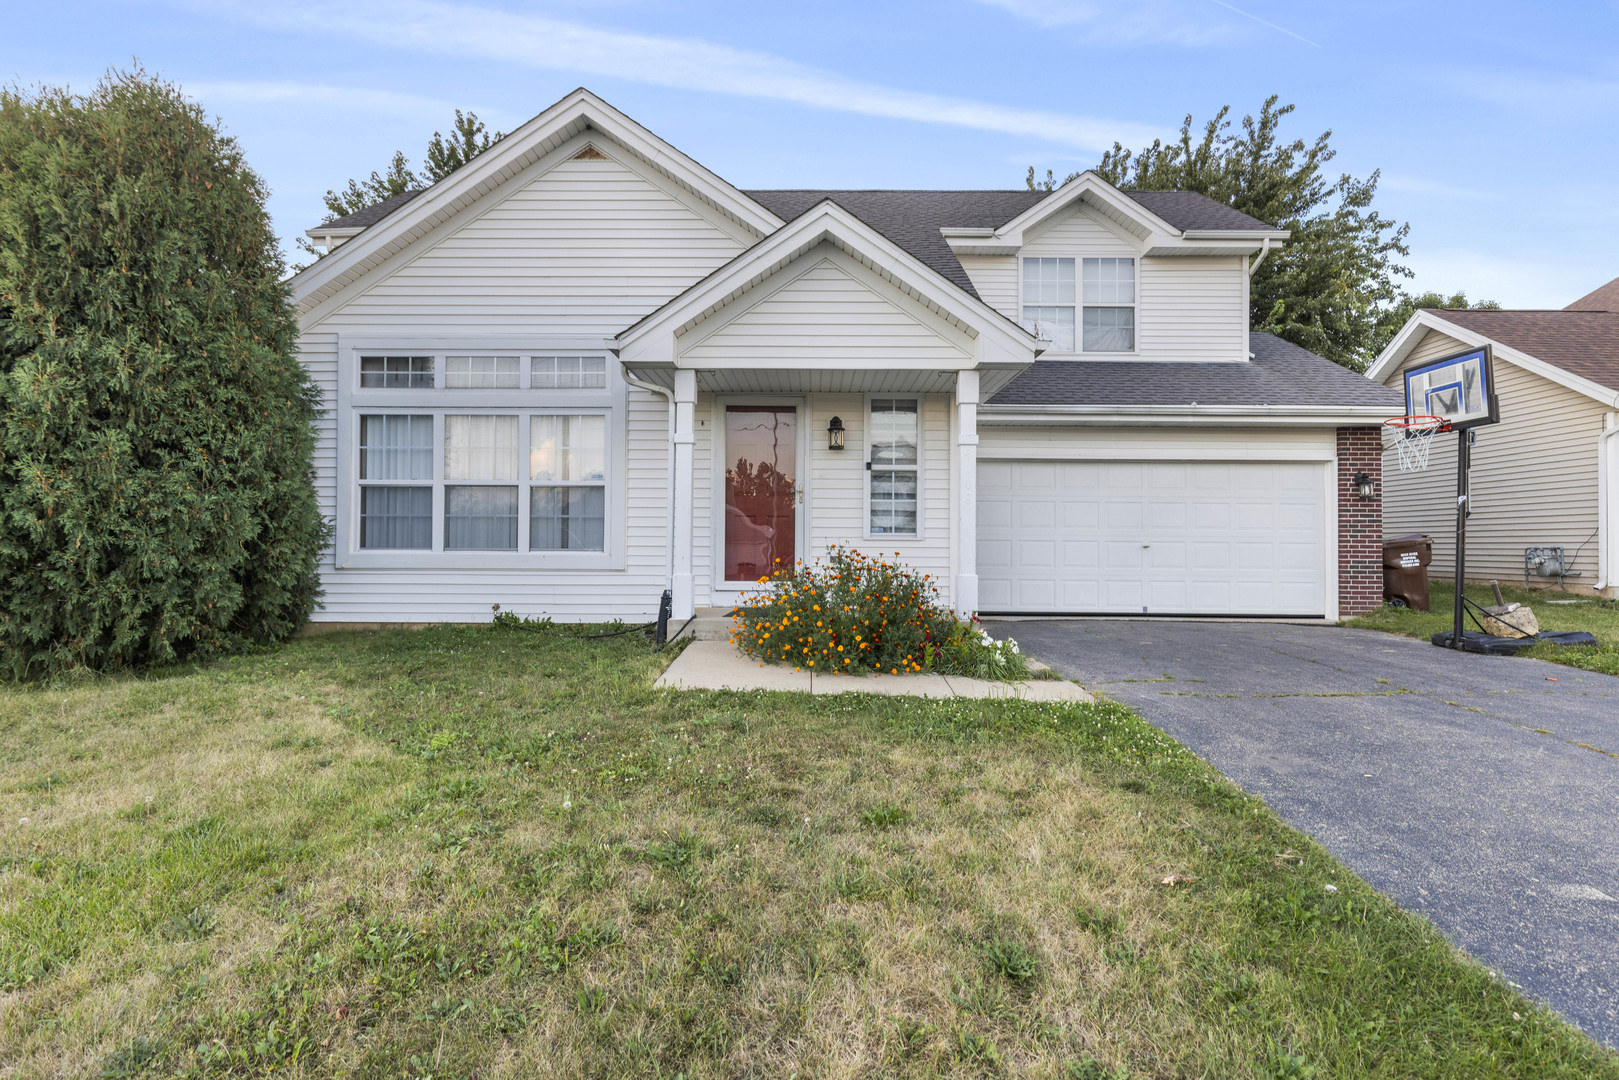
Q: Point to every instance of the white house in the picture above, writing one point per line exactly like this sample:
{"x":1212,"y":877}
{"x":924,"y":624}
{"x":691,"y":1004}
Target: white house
{"x":1547,"y":475}
{"x":583,"y":369}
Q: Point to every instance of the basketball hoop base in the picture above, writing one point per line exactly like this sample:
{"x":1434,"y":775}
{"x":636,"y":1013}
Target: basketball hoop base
{"x":1475,"y":641}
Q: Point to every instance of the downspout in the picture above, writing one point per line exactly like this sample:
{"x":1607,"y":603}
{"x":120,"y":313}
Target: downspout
{"x":669,"y":494}
{"x":1606,"y":478}
{"x":1248,"y":292}
{"x":1264,"y":249}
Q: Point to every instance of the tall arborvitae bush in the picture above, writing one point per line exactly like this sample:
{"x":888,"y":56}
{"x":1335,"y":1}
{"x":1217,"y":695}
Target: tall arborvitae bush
{"x":156,"y":428}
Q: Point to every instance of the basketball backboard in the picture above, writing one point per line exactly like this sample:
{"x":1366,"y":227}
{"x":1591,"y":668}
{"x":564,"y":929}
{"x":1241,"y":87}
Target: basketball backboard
{"x":1459,"y":389}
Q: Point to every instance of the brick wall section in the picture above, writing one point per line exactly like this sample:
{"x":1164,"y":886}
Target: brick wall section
{"x":1360,"y":521}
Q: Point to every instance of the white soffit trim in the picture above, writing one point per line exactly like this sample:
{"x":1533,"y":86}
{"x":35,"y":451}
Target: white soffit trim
{"x":827,"y":222}
{"x":1394,"y":354}
{"x":578,"y":112}
{"x":1182,"y":415}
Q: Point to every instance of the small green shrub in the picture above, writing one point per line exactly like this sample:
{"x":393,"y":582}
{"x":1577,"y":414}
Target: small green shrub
{"x":853,"y":612}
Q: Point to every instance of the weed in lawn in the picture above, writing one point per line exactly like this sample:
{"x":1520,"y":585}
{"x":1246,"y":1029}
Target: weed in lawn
{"x":1089,"y":1068}
{"x":1011,"y":960}
{"x":884,"y":815}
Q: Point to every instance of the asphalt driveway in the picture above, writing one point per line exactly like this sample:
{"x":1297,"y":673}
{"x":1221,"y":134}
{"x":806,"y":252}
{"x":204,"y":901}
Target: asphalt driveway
{"x":1473,"y":789}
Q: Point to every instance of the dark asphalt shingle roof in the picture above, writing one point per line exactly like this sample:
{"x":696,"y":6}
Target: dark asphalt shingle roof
{"x":912,"y":219}
{"x":1602,"y":298}
{"x":1280,"y":373}
{"x":374,"y":213}
{"x":1583,"y":342}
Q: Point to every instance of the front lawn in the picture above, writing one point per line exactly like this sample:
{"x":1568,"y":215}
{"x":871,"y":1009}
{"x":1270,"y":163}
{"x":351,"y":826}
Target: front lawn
{"x":1555,"y":610}
{"x":479,"y":852}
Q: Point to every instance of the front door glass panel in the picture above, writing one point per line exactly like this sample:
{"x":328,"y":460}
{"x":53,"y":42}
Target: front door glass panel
{"x":761,"y":490}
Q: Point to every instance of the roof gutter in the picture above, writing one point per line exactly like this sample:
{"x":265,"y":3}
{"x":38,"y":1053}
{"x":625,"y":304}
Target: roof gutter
{"x":1178,"y":415}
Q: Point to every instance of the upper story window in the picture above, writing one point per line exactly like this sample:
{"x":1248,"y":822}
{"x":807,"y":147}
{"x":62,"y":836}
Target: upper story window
{"x":1105,"y":299}
{"x":396,"y":372}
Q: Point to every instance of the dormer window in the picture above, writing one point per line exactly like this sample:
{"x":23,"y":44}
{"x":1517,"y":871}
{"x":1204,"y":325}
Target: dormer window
{"x":1106,"y":300}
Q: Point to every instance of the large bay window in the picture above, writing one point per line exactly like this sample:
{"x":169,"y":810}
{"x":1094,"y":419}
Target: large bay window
{"x":892,"y":494}
{"x":452,"y":459}
{"x":1105,"y":299}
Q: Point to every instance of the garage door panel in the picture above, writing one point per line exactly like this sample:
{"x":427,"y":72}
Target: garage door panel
{"x":1037,"y":554}
{"x":1192,"y":537}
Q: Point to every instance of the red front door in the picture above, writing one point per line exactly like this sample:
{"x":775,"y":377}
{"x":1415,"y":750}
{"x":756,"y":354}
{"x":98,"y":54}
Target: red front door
{"x":761,"y":490}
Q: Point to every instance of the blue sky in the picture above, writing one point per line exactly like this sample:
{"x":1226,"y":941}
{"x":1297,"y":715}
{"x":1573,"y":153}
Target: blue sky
{"x":1494,"y":123}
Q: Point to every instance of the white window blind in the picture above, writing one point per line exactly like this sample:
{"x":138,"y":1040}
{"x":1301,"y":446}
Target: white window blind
{"x":895,"y":462}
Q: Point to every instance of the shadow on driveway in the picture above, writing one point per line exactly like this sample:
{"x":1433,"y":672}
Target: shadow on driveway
{"x":1472,"y":789}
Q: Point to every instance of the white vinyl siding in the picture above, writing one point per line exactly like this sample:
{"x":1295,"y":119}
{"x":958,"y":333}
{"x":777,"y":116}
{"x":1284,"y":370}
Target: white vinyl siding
{"x":587,"y":247}
{"x":829,"y":315}
{"x":1534,"y":477}
{"x":1192,"y":308}
{"x":995,"y":278}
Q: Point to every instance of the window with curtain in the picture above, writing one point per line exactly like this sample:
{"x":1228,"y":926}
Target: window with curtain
{"x":1108,"y":296}
{"x":393,"y":515}
{"x":482,"y":372}
{"x":568,"y":507}
{"x":480,"y":514}
{"x":1048,"y":301}
{"x":895,"y":426}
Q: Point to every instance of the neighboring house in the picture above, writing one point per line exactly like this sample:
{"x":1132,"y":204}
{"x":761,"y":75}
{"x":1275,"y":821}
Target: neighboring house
{"x":583,"y":369}
{"x":1548,"y":473}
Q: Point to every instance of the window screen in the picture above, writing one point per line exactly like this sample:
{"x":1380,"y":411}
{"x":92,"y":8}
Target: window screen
{"x":568,"y":372}
{"x":482,"y":372}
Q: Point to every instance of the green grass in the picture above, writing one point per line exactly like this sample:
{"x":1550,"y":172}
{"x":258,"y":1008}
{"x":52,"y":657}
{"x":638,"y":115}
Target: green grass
{"x":1599,"y":616}
{"x":474,"y":852}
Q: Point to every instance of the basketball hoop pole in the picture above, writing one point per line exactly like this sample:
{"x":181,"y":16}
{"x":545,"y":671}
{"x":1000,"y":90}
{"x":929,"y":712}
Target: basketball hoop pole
{"x":1463,"y":452}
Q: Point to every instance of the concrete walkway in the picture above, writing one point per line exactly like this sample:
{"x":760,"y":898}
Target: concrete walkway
{"x":1482,"y":791}
{"x":717,"y":665}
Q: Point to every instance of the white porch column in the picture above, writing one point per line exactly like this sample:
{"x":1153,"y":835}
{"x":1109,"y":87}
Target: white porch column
{"x":966,"y":591}
{"x":684,"y":443}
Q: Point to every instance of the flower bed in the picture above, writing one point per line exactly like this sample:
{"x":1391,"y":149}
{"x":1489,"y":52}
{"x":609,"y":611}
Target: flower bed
{"x":855,"y":613}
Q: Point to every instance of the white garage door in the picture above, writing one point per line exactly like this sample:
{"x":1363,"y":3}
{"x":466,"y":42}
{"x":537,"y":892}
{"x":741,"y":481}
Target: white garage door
{"x":1155,"y":537}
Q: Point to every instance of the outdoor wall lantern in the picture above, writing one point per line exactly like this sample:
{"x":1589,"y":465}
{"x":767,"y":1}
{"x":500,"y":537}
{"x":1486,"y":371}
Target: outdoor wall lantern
{"x":1363,"y":484}
{"x":834,"y":434}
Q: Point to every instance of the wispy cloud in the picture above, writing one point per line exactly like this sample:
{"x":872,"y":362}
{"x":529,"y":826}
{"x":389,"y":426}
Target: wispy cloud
{"x":1173,"y":22}
{"x":348,"y":98}
{"x":467,"y":30}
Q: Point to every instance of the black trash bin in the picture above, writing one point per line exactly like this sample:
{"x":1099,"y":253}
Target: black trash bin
{"x":1405,"y":570}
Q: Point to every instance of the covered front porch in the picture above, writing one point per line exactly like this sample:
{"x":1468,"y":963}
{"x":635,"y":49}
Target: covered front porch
{"x":823,"y":390}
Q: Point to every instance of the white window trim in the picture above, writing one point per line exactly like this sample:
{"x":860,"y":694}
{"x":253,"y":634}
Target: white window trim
{"x":1079,"y":302}
{"x":353,"y":401}
{"x":921,"y":472}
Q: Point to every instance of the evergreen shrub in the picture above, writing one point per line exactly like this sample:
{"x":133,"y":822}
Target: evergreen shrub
{"x":855,"y":613}
{"x":156,"y":428}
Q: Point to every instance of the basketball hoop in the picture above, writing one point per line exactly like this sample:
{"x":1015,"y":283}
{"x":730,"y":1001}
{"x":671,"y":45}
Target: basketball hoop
{"x":1413,"y":435}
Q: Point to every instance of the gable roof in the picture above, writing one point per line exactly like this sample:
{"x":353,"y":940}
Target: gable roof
{"x":913,"y":218}
{"x":1603,"y":298}
{"x":1576,"y":349}
{"x":1280,"y":374}
{"x":1002,"y":341}
{"x":1585,"y":343}
{"x":417,"y":214}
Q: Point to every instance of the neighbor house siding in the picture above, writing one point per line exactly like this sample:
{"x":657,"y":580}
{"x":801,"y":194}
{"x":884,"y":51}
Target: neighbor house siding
{"x":1534,"y":476}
